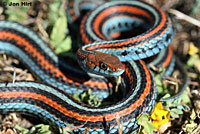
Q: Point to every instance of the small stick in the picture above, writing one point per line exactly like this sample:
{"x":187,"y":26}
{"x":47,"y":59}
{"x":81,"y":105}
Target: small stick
{"x":184,"y":17}
{"x":14,"y":75}
{"x":118,"y":80}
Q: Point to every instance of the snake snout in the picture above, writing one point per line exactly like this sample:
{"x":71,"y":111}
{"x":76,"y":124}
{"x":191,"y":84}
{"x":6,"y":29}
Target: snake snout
{"x":102,"y":64}
{"x":111,"y":64}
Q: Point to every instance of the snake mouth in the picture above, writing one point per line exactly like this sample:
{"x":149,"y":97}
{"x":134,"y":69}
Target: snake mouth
{"x":109,"y":72}
{"x":115,"y":73}
{"x":98,"y":70}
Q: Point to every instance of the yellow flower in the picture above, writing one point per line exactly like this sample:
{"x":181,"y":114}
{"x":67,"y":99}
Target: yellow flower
{"x":160,"y":116}
{"x":193,"y":49}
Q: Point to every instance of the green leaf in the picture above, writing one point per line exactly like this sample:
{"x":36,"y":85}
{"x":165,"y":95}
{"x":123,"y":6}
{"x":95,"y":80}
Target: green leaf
{"x":185,"y":97}
{"x":193,"y":115}
{"x":53,"y":12}
{"x":41,"y":129}
{"x":57,"y":17}
{"x":174,"y":114}
{"x":196,"y":7}
{"x":158,"y":80}
{"x":17,"y":13}
{"x":66,"y":130}
{"x":14,"y":1}
{"x":143,"y":120}
{"x":15,"y":16}
{"x":23,"y":130}
{"x":59,"y":30}
{"x":161,"y":70}
{"x":64,"y":46}
{"x":176,"y":102}
{"x":193,"y":60}
{"x":85,"y":96}
{"x":56,"y":10}
{"x":54,"y":7}
{"x":166,"y":96}
{"x":180,"y":107}
{"x":76,"y":96}
{"x":178,"y":111}
{"x":162,"y":88}
{"x":94,"y":101}
{"x":90,"y":99}
{"x":190,"y":127}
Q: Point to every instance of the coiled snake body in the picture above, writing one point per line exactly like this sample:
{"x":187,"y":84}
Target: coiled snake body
{"x":105,"y":53}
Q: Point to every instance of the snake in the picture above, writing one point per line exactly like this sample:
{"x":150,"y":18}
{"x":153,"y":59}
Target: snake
{"x":105,"y":53}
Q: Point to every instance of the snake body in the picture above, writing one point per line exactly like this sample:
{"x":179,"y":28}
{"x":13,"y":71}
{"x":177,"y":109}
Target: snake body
{"x":112,"y":18}
{"x":51,"y":100}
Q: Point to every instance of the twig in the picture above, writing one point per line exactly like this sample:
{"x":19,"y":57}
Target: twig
{"x":174,"y":82}
{"x":21,"y":75}
{"x":29,"y":21}
{"x":118,"y":80}
{"x":5,"y":60}
{"x":184,"y":17}
{"x":169,"y":78}
{"x":171,"y":82}
{"x":40,"y":28}
{"x":14,"y":75}
{"x":120,"y":125}
{"x":194,"y":83}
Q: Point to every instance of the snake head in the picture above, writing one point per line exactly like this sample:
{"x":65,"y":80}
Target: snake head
{"x":102,"y":64}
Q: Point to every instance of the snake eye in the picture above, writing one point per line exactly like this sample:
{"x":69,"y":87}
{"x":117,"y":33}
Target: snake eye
{"x":103,"y":66}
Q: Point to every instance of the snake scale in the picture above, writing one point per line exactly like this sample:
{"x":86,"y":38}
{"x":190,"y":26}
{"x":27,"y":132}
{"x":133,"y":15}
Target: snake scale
{"x":116,"y":36}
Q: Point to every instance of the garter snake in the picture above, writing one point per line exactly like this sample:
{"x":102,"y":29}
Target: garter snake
{"x":51,"y":99}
